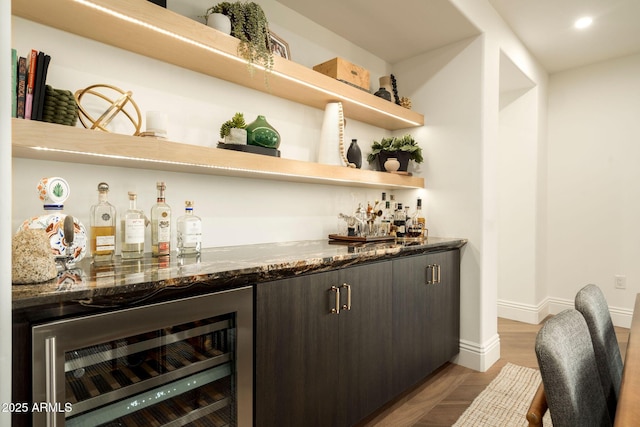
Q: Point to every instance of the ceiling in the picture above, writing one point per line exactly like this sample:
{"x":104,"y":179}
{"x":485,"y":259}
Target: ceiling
{"x":544,"y":26}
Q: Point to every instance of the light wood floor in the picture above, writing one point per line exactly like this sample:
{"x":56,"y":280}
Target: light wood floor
{"x":444,"y":395}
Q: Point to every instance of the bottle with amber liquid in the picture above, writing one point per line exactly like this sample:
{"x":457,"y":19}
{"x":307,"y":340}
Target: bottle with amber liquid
{"x":160,"y":224}
{"x":103,"y":227}
{"x":133,"y":224}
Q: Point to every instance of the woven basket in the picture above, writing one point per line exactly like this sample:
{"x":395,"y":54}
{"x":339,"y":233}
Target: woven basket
{"x":59,"y":107}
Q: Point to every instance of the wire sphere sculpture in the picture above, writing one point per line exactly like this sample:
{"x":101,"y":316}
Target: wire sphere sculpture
{"x":119,"y":103}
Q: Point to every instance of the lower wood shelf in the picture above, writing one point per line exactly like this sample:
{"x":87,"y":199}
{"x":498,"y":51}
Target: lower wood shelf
{"x":46,"y":141}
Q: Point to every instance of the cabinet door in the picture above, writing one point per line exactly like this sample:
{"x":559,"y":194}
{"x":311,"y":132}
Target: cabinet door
{"x":426,"y":316}
{"x":297,"y":352}
{"x":410,"y":334}
{"x":365,"y":346}
{"x":443,"y":313}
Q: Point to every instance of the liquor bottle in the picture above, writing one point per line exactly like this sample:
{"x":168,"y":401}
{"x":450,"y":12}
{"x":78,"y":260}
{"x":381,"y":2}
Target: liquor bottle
{"x":103,"y":227}
{"x":189,"y":232}
{"x":132,"y":227}
{"x":160,"y":224}
{"x":400,"y":221}
{"x":416,"y":226}
{"x":420,"y":219}
{"x":387,"y":219}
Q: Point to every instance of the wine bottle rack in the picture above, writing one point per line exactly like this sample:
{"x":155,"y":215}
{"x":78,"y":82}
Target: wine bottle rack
{"x":175,"y":363}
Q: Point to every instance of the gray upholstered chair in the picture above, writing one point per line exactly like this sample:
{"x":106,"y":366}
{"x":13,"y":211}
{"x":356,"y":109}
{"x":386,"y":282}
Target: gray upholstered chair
{"x":569,"y":372}
{"x":592,"y":304}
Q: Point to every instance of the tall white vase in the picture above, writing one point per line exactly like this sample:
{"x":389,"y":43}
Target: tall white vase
{"x":329,"y":149}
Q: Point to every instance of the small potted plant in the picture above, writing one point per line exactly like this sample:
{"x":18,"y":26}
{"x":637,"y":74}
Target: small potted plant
{"x":403,"y":148}
{"x":248,"y":24}
{"x":233,"y":131}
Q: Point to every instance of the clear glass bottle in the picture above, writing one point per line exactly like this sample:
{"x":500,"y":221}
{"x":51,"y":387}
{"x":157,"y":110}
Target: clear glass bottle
{"x":189,"y":232}
{"x":160,"y":224}
{"x":103,"y":227}
{"x":132,"y":228}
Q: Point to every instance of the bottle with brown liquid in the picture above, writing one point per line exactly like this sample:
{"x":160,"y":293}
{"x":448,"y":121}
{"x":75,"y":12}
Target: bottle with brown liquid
{"x":103,"y":227}
{"x":160,"y":224}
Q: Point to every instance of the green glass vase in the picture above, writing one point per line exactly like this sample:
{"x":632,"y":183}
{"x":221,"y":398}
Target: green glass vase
{"x":261,"y":133}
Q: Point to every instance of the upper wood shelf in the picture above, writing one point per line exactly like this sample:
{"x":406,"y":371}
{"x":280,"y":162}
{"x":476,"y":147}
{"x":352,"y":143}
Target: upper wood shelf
{"x":140,"y":26}
{"x":46,"y":141}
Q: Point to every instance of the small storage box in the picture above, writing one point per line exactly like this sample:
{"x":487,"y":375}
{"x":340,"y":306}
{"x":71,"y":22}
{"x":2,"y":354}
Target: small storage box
{"x":345,"y":71}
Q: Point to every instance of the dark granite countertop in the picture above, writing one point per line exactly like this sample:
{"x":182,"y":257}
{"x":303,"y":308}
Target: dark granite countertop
{"x":217,"y":268}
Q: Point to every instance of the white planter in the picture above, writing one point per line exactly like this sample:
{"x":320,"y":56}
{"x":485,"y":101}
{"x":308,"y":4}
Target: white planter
{"x":220,"y":22}
{"x":237,"y":136}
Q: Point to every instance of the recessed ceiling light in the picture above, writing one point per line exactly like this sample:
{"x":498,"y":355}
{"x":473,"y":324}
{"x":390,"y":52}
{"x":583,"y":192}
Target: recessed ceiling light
{"x":583,"y":22}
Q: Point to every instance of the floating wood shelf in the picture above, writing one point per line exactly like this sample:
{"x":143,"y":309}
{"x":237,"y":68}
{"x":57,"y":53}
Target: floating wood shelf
{"x":46,"y":141}
{"x":140,"y":26}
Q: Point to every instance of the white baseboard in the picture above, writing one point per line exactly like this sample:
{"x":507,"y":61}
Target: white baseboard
{"x":479,"y":357}
{"x":535,"y":314}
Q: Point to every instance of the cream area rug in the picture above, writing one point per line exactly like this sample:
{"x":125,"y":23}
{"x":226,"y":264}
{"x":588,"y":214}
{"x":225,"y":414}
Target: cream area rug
{"x":504,"y":402}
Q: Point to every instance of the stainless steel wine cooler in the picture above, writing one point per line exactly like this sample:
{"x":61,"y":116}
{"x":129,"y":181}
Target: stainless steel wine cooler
{"x":183,"y":362}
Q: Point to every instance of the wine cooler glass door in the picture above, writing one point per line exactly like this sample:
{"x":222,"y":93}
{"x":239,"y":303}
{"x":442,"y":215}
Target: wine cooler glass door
{"x":184,"y":362}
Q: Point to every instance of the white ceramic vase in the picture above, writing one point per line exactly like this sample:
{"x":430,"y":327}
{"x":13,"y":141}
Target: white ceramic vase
{"x":220,"y":22}
{"x":329,"y":148}
{"x":392,"y":164}
{"x":385,"y":82}
{"x":236,"y":136}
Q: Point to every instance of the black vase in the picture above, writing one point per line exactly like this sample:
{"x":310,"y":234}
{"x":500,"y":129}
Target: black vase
{"x":383,"y":93}
{"x":354,"y":155}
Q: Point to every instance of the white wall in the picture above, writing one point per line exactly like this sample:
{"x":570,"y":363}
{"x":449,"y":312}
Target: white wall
{"x":594,"y":202}
{"x":5,"y":209}
{"x":235,"y":211}
{"x":446,"y":85}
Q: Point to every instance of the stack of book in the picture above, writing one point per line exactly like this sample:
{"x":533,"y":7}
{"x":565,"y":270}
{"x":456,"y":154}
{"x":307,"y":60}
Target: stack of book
{"x":28,"y":86}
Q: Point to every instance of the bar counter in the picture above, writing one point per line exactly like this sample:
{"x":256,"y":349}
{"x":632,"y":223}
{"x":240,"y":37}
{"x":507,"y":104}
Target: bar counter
{"x":128,"y":281}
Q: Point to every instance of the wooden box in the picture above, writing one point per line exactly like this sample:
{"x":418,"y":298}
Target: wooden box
{"x":345,"y":71}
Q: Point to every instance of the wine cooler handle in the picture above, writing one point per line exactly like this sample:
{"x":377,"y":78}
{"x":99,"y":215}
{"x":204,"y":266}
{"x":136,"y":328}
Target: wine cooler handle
{"x":50,"y":377}
{"x":336,"y":310}
{"x":347,"y":306}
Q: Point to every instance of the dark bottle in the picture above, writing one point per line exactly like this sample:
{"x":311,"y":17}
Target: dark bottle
{"x":400,"y":221}
{"x":354,"y":155}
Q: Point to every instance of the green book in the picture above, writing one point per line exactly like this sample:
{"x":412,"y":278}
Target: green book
{"x":14,"y":83}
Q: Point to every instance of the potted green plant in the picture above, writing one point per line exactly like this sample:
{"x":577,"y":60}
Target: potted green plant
{"x":403,"y":148}
{"x":248,"y":24}
{"x":233,"y":131}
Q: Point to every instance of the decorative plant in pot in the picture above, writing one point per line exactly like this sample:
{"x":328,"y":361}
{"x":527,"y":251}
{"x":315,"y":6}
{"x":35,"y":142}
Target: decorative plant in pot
{"x":248,"y":24}
{"x":233,"y":131}
{"x":403,"y":148}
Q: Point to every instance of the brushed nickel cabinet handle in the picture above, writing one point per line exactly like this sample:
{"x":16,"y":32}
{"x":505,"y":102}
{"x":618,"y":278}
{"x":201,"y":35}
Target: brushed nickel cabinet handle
{"x":336,"y":310}
{"x":429,"y":274}
{"x":347,"y":306}
{"x":438,"y":273}
{"x":50,"y":377}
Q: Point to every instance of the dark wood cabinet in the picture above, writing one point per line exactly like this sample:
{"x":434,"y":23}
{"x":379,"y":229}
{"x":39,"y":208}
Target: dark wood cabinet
{"x":426,"y":315}
{"x":316,"y":366}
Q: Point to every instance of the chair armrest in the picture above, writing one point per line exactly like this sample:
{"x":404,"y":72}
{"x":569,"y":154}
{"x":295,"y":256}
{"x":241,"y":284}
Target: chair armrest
{"x":537,"y":408}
